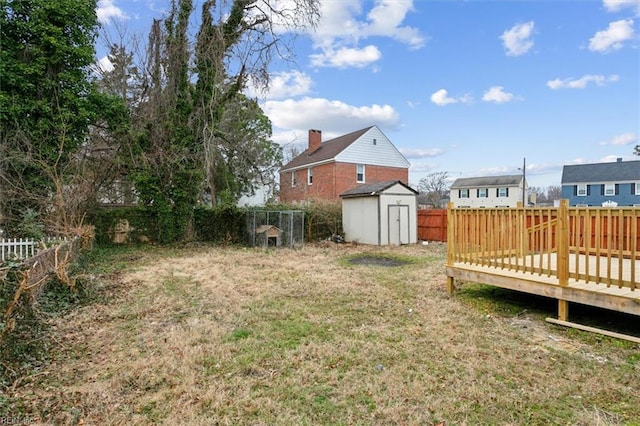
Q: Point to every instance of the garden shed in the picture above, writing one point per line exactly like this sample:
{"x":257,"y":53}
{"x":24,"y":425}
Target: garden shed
{"x":383,"y":213}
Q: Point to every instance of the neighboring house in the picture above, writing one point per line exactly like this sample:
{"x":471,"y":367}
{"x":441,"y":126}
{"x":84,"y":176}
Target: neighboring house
{"x":327,"y":169}
{"x":263,"y":193}
{"x":598,"y":183}
{"x":488,"y":192}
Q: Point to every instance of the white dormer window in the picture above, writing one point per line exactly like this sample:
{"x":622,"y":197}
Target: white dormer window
{"x":609,"y":189}
{"x":581,"y":190}
{"x":310,"y":176}
{"x":360,"y":173}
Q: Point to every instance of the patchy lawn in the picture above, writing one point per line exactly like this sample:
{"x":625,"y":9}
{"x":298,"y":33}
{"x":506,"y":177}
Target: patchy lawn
{"x":210,"y":335}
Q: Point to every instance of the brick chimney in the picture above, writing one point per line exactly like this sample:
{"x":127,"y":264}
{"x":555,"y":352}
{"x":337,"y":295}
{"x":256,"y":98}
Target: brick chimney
{"x":315,"y":140}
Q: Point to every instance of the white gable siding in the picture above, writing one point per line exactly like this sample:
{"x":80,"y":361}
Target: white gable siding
{"x":363,"y":151}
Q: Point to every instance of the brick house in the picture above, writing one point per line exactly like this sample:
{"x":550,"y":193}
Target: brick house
{"x":327,"y":169}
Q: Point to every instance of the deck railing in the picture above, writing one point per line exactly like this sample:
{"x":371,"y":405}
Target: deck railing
{"x":591,"y":244}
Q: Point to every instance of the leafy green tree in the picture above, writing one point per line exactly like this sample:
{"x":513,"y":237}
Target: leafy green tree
{"x":47,"y":104}
{"x":231,"y":50}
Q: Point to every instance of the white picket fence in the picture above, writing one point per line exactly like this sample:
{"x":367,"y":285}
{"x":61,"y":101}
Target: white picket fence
{"x":24,"y":248}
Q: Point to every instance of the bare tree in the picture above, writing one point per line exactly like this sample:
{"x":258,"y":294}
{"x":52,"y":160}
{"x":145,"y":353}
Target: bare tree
{"x":434,"y":187}
{"x":236,"y":43}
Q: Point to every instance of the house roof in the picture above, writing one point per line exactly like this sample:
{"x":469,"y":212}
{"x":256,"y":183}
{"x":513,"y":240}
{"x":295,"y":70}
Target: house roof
{"x":327,"y":151}
{"x":487,"y":181}
{"x":368,"y":189}
{"x":619,"y":171}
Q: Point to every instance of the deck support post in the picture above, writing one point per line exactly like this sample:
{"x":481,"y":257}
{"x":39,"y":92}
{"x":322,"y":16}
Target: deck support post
{"x":450,"y":286}
{"x":563,"y":255}
{"x":563,"y":310}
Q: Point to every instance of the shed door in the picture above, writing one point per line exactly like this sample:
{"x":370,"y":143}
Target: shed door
{"x":398,"y":224}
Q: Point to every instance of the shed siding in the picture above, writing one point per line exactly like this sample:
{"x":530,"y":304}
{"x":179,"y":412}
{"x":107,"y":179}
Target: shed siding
{"x":361,"y":220}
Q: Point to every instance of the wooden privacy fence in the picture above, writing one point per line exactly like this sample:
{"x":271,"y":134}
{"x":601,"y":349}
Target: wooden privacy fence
{"x":432,"y":225}
{"x":592,"y":244}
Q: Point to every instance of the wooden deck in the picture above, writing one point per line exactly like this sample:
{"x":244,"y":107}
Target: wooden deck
{"x":579,"y":255}
{"x":584,"y":291}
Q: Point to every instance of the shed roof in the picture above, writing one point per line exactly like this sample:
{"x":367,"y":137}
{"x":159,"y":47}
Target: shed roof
{"x":487,"y":181}
{"x":619,"y":171}
{"x":327,"y":151}
{"x":374,"y":189}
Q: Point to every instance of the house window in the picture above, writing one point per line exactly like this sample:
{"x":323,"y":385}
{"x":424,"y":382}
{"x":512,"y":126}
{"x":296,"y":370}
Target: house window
{"x":310,"y":176}
{"x":375,"y":141}
{"x":483,"y":193}
{"x":360,"y":173}
{"x":609,"y":189}
{"x":637,"y":191}
{"x":464,"y":193}
{"x":503,"y":192}
{"x":581,"y":190}
{"x":293,"y":178}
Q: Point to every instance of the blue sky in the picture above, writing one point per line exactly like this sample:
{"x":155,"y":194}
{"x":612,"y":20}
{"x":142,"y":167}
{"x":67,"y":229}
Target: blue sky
{"x":470,"y":88}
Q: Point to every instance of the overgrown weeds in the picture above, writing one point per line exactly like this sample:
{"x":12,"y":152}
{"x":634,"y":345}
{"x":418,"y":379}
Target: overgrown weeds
{"x":230,"y":335}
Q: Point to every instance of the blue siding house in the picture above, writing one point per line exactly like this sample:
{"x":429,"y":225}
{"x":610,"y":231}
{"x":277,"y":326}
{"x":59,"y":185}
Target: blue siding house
{"x":598,"y":183}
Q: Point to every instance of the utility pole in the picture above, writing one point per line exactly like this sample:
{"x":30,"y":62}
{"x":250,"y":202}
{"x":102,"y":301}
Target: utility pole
{"x":524,"y":182}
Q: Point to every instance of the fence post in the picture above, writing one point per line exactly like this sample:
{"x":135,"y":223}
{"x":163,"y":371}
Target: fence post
{"x":563,"y":256}
{"x":450,"y":245}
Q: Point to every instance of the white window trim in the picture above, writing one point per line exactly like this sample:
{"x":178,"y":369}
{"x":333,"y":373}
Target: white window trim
{"x":483,"y":193}
{"x":293,"y":178}
{"x":581,"y":190}
{"x":637,"y":192}
{"x":464,"y":193}
{"x":609,"y":189}
{"x":363,"y":173}
{"x":310,"y":176}
{"x":503,"y":192}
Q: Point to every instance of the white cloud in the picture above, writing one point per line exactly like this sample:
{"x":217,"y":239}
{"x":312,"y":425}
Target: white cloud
{"x":334,"y":118}
{"x":618,"y":5}
{"x":498,"y":95}
{"x":343,"y":25}
{"x":582,"y":82}
{"x":623,"y":139}
{"x":283,"y":85}
{"x":107,"y":10}
{"x":441,"y":98}
{"x":613,"y":37}
{"x":421,"y":153}
{"x":346,"y":57}
{"x":517,"y":40}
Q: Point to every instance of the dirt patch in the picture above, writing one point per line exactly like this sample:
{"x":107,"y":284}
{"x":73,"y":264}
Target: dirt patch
{"x":378,"y":261}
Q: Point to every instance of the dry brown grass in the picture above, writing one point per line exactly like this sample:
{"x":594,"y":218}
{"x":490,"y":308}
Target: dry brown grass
{"x":229,"y":336}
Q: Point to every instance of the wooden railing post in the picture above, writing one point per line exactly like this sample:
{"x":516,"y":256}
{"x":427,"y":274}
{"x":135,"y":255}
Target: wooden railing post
{"x":563,"y":255}
{"x":451,"y":245}
{"x":521,"y":232}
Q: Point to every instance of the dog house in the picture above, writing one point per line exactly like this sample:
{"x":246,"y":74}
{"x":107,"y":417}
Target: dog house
{"x":268,"y":235}
{"x":382,"y":213}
